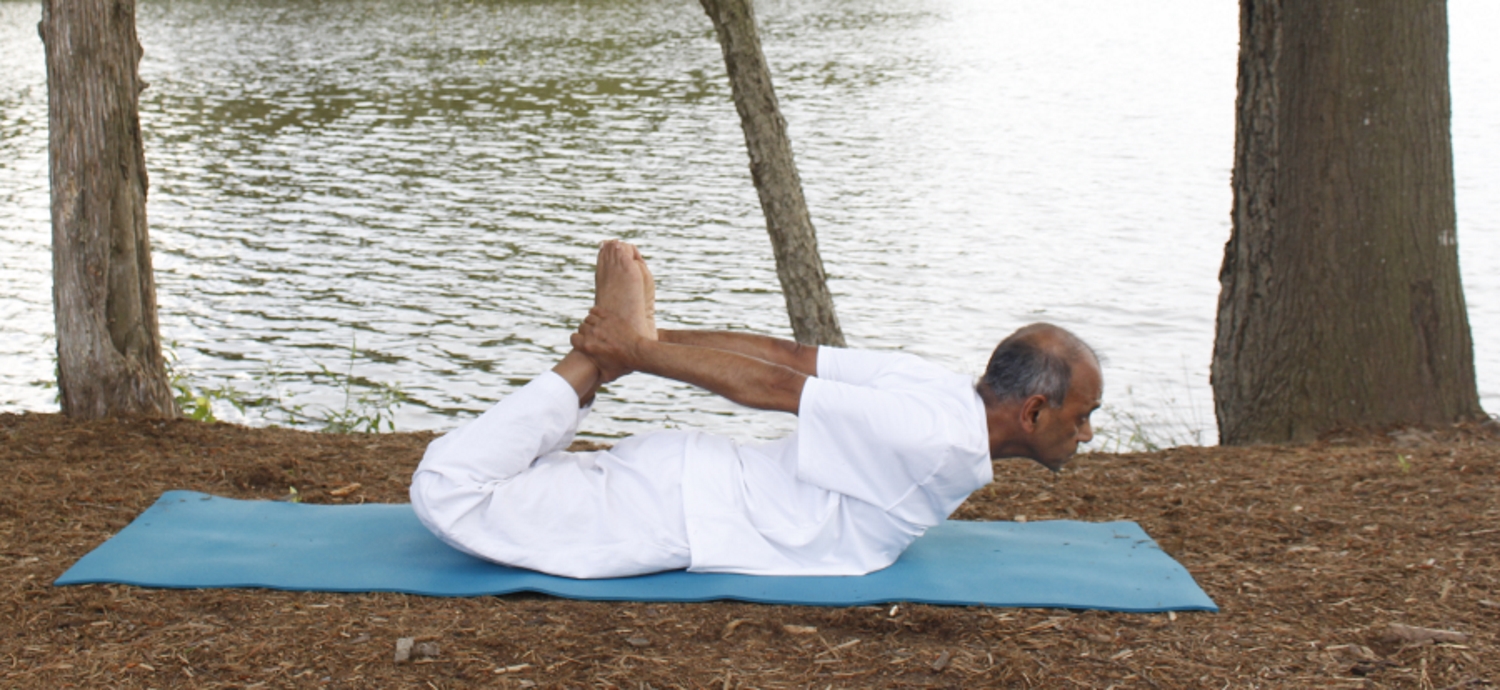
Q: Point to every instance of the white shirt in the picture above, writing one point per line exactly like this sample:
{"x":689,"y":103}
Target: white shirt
{"x":886,"y":446}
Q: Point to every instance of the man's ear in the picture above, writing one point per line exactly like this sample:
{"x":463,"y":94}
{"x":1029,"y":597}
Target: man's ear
{"x":1031,"y":412}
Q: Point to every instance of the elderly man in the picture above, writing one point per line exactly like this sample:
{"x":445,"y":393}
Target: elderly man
{"x":887,"y":445}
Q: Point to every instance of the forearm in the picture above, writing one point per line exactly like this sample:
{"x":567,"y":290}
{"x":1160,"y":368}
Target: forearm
{"x":742,"y":378}
{"x":795,"y":356}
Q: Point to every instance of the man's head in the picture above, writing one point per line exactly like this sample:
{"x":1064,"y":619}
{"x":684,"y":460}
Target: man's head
{"x":1039,"y":388}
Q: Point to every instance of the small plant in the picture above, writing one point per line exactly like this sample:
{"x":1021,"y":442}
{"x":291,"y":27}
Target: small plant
{"x":1404,"y":463}
{"x":368,"y":407}
{"x":197,"y":403}
{"x":370,"y":411}
{"x":1124,"y":431}
{"x":373,"y":407}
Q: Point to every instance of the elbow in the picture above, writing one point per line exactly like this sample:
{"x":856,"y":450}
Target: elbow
{"x":785,"y":389}
{"x":802,"y":358}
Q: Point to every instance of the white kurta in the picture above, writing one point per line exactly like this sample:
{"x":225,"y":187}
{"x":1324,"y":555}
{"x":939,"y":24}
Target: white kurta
{"x":886,"y":446}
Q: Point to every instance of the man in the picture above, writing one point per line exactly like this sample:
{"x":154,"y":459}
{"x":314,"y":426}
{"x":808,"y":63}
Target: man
{"x":887,"y":445}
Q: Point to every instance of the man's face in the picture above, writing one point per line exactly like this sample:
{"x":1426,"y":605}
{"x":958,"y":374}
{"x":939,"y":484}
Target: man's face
{"x":1059,"y":430}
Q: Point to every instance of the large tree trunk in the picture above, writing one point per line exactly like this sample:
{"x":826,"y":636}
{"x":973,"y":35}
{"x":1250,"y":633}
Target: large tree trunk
{"x":1341,"y":303}
{"x":109,"y":360}
{"x":803,"y":282}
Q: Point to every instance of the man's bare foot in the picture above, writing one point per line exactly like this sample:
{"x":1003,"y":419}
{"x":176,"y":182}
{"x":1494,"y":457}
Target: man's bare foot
{"x":620,"y":286}
{"x":620,"y":292}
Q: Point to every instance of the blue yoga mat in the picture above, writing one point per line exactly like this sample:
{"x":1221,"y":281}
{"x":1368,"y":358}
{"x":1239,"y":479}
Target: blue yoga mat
{"x":194,"y":540}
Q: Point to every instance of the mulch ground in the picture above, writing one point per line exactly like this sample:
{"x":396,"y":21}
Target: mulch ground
{"x":1313,"y":553}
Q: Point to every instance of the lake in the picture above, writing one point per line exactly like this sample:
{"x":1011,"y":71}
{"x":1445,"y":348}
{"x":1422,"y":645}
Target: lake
{"x":410,"y":194}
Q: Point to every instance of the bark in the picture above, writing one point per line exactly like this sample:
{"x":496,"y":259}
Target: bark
{"x":1341,"y":303}
{"x":803,"y":281}
{"x":109,"y":358}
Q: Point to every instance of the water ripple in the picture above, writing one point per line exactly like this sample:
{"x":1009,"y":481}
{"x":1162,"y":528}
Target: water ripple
{"x":426,"y":182}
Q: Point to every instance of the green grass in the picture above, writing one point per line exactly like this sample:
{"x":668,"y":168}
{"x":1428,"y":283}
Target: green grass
{"x":368,"y":406}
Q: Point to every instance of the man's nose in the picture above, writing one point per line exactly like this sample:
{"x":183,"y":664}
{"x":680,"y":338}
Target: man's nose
{"x":1086,"y":432}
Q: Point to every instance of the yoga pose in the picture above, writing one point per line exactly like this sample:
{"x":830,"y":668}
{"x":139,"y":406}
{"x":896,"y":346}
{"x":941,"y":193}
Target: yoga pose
{"x":887,"y":445}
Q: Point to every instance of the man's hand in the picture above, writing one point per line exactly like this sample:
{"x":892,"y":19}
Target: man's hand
{"x":611,"y":340}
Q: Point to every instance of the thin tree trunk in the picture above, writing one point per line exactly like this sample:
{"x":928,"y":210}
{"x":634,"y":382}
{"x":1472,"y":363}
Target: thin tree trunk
{"x":109,"y":356}
{"x":1341,"y":303}
{"x":798,"y":265}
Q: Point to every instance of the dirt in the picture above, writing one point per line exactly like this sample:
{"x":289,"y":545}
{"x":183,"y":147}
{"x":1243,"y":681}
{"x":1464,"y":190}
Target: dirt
{"x":1312,"y":552}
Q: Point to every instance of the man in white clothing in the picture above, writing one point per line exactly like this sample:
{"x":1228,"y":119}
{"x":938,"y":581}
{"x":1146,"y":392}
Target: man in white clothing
{"x":887,"y":445}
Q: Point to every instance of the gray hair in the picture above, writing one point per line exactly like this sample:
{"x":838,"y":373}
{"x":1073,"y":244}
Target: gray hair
{"x":1035,"y":360}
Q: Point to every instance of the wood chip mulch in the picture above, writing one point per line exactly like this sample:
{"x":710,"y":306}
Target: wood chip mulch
{"x":1371,"y":562}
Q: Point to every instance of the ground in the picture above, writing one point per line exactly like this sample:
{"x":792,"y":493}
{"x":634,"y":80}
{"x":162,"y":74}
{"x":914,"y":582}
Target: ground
{"x":1313,"y":552}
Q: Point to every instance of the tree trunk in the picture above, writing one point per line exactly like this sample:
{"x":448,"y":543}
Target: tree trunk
{"x":798,"y":265}
{"x":1341,"y":303}
{"x":109,"y":360}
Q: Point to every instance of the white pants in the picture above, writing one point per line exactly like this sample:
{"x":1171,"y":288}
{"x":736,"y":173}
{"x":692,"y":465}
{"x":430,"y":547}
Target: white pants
{"x":503,"y":488}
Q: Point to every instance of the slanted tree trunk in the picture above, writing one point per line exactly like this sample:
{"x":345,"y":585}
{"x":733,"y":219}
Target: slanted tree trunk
{"x":109,"y":360}
{"x":798,"y":265}
{"x":1341,"y":303}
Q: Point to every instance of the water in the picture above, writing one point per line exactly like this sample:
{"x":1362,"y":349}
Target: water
{"x":425,"y":182}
